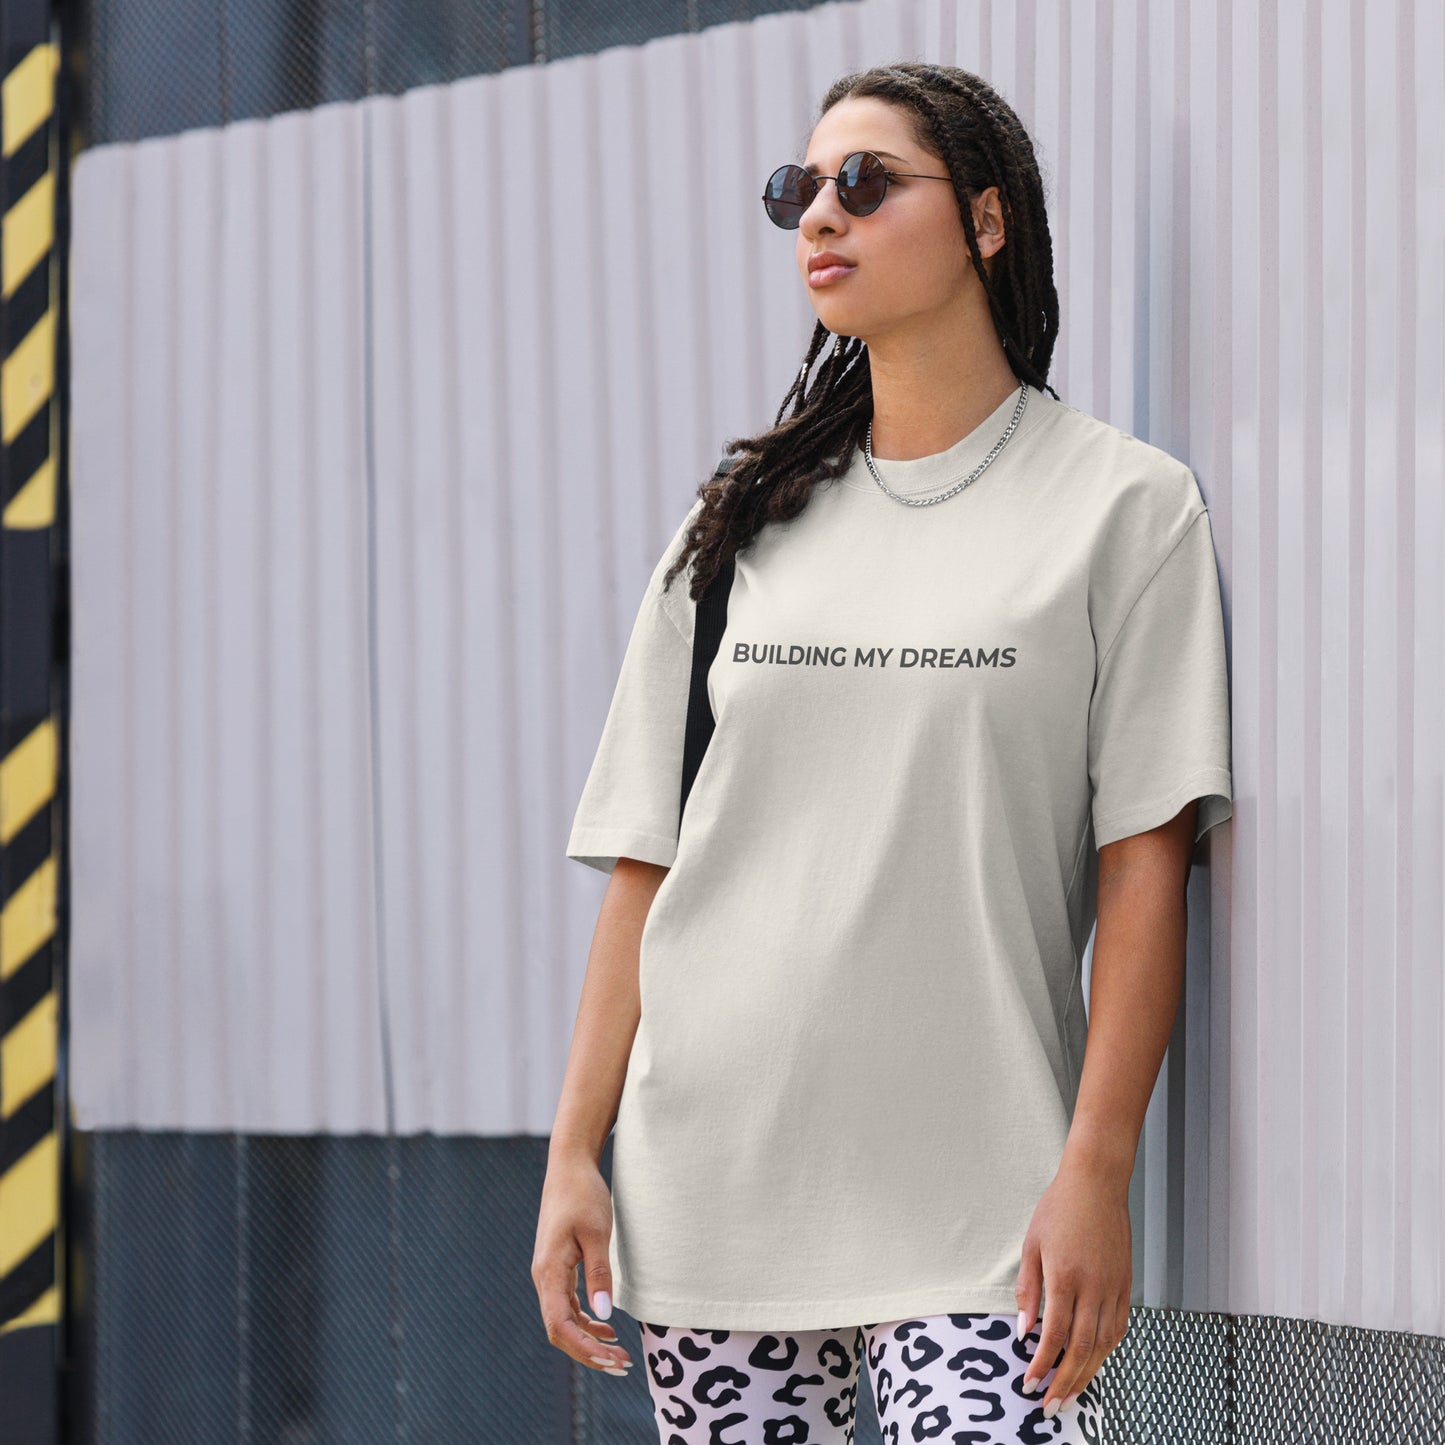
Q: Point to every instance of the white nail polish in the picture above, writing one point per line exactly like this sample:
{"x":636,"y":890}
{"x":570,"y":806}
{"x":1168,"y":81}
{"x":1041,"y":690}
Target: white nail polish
{"x":602,"y":1303}
{"x":1023,"y":1320}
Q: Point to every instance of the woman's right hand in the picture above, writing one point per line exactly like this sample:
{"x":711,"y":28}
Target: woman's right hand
{"x":574,"y":1226}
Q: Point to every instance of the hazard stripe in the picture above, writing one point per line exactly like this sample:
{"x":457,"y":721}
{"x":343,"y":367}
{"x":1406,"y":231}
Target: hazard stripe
{"x":27,"y":1055}
{"x":29,"y":233}
{"x":30,"y":748}
{"x":28,"y":97}
{"x":27,"y":779}
{"x":27,"y":378}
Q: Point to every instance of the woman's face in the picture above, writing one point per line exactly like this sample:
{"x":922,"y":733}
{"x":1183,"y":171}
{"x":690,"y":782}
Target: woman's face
{"x":909,"y":258}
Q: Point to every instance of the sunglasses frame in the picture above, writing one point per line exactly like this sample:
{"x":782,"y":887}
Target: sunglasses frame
{"x":839,"y":183}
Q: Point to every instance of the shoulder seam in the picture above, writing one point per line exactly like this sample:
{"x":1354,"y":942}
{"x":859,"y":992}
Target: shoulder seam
{"x":660,"y":598}
{"x":1159,"y":567}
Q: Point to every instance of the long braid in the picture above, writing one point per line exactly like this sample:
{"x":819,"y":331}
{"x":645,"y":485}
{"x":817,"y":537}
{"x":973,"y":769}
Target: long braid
{"x":966,"y":122}
{"x":1021,"y":191}
{"x":1031,"y":298}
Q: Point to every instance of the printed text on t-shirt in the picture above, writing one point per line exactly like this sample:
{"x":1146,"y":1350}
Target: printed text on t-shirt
{"x":798,"y":654}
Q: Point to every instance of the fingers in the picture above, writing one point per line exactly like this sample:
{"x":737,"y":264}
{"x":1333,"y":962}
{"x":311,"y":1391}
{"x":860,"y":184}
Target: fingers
{"x":1053,"y":1336}
{"x":1113,"y":1322}
{"x":597,"y":1328}
{"x":571,"y":1331}
{"x":1029,"y":1287}
{"x":1081,"y":1357}
{"x":597,"y":1286}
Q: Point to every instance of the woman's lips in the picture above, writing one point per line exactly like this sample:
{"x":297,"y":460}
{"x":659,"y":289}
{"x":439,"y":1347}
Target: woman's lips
{"x":825,"y":274}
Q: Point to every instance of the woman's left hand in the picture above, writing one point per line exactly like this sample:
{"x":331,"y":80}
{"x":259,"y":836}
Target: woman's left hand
{"x":1078,"y":1251}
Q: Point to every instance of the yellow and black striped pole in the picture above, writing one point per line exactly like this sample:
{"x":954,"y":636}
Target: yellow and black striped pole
{"x":31,"y":651}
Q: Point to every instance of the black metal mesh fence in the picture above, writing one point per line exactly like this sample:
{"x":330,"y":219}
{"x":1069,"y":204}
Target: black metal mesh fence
{"x":309,"y":1289}
{"x":300,"y":1290}
{"x":158,"y":67}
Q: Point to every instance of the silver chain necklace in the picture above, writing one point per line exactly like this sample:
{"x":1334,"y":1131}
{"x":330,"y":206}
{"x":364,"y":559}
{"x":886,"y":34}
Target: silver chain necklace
{"x":972,"y":476}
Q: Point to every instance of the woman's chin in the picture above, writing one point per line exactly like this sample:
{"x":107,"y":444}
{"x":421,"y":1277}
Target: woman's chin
{"x":840,"y":320}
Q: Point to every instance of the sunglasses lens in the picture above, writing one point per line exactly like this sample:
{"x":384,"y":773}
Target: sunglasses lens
{"x":789,"y":192}
{"x":862,"y":183}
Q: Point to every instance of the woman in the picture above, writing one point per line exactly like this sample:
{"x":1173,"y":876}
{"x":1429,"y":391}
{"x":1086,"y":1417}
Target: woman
{"x":972,"y":694}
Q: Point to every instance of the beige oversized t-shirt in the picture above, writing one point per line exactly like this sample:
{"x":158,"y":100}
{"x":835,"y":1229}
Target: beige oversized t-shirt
{"x":862,"y":1018}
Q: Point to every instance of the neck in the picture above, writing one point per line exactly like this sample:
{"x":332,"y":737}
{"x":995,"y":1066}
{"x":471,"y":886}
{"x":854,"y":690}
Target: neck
{"x":927,"y":396}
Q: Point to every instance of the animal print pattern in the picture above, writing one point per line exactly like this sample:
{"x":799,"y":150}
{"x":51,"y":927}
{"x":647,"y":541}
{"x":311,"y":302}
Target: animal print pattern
{"x":956,"y":1379}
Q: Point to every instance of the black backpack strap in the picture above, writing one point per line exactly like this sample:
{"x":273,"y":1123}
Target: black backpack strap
{"x":710,"y":619}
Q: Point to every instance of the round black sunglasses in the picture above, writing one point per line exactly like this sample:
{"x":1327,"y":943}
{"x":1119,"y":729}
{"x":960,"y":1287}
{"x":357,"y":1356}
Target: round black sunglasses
{"x":862,"y":184}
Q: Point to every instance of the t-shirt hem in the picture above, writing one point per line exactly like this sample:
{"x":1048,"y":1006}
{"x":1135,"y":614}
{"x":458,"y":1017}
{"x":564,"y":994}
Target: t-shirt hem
{"x":1206,"y":784}
{"x":601,"y":847}
{"x":851,"y":1310}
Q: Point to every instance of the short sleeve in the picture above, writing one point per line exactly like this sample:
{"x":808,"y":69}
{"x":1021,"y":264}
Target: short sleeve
{"x":1159,"y":730}
{"x":631,"y":800}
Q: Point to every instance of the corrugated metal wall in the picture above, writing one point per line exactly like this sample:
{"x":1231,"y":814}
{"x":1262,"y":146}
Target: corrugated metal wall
{"x":383,"y":412}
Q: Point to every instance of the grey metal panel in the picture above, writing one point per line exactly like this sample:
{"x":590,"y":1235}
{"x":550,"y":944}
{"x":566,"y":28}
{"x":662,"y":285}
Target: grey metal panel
{"x":221,"y":959}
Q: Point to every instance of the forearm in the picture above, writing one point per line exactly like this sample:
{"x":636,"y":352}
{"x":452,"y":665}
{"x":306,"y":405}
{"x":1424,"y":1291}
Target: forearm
{"x":607,"y":1014}
{"x":1137,"y":978}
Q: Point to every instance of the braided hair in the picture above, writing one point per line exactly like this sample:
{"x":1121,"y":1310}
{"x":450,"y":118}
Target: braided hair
{"x":961,"y":118}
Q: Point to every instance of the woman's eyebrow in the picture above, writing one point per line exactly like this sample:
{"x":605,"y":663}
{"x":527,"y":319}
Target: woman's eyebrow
{"x":812,"y":166}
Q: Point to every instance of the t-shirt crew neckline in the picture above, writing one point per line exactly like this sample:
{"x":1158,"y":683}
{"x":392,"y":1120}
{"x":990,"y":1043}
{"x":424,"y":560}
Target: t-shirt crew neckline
{"x":941,"y":470}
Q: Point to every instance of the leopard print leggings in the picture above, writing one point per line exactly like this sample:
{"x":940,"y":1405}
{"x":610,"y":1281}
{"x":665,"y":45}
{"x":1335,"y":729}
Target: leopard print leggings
{"x":952,"y":1378}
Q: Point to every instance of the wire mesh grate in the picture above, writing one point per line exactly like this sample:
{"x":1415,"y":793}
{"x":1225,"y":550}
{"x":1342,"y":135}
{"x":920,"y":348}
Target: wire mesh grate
{"x":300,"y":1290}
{"x":159,"y":67}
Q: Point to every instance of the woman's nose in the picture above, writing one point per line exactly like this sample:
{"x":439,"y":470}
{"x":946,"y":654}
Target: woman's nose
{"x":824,"y":209}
